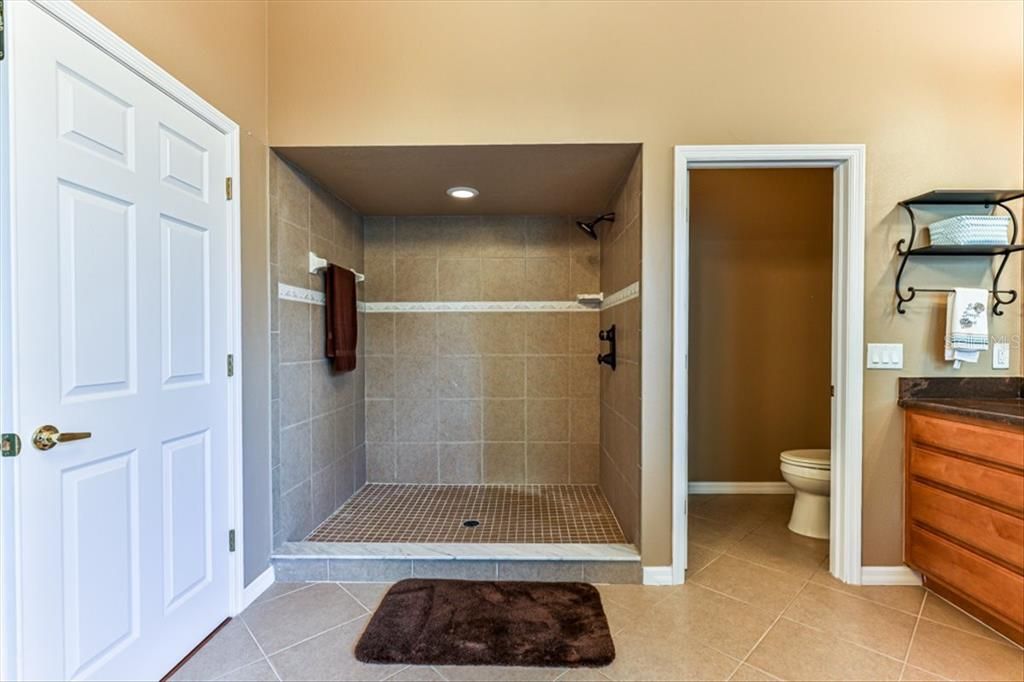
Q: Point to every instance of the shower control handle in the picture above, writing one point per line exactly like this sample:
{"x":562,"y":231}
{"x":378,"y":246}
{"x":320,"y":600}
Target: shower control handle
{"x":609,"y":357}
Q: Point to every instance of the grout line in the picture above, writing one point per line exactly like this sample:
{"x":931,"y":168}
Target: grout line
{"x":346,"y":591}
{"x":999,"y":639}
{"x":260,"y":647}
{"x":322,"y":632}
{"x":913,"y":633}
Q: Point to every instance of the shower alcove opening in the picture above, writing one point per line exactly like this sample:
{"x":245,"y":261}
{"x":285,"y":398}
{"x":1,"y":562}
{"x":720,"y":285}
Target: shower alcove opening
{"x":479,"y":437}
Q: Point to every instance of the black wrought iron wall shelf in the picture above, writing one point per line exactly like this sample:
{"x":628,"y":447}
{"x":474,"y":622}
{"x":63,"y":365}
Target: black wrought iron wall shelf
{"x":991,"y":199}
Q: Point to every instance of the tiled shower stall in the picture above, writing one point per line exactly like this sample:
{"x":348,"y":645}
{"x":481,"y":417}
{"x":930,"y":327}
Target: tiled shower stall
{"x":477,"y":396}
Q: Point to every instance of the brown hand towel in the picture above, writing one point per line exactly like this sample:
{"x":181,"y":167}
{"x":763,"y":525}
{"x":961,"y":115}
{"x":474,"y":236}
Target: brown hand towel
{"x":342,"y":327}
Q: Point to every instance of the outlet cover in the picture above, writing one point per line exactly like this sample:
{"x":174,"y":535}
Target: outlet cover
{"x":885,"y":356}
{"x":1000,"y":356}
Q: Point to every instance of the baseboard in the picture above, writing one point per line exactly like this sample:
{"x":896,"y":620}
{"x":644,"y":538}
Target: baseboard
{"x":253,"y":590}
{"x":657,"y":575}
{"x":889,"y":575}
{"x":740,"y":488}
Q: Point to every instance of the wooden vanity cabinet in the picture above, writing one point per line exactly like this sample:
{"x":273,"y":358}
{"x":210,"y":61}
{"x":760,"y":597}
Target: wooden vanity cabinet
{"x":964,"y":514}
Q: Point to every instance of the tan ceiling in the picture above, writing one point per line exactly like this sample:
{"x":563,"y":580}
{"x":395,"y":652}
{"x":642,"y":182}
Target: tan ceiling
{"x":576,"y":179}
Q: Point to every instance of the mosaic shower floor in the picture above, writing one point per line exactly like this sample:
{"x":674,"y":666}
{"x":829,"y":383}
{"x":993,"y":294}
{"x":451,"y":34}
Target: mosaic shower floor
{"x":577,"y":514}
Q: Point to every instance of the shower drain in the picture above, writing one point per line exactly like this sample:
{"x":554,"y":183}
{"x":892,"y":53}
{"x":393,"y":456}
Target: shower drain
{"x":470,"y":523}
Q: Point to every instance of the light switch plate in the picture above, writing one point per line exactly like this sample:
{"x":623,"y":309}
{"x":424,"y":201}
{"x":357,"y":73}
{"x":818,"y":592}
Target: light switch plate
{"x":1000,"y":356}
{"x":885,"y":356}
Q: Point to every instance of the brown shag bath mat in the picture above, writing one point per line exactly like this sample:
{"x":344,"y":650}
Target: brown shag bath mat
{"x":465,"y":622}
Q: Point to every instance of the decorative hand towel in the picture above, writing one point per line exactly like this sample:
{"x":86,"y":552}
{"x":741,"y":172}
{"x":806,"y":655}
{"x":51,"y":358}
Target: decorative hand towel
{"x":966,"y":325}
{"x":341,"y":325}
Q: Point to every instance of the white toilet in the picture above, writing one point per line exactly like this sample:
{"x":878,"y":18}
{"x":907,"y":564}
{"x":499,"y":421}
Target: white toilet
{"x":809,"y":472}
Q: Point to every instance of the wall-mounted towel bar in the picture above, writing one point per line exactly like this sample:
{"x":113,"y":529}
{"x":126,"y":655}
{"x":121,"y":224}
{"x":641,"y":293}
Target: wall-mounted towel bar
{"x":316,"y":264}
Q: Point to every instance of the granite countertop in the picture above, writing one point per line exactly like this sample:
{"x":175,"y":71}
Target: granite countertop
{"x":994,"y":399}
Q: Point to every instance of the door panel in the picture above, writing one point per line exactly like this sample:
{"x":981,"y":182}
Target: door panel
{"x":121,"y":309}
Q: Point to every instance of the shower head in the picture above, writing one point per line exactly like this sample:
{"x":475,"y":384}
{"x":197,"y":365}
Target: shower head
{"x":591,"y":226}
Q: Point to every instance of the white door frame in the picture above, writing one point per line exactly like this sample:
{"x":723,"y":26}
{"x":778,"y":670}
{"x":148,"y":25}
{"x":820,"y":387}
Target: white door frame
{"x":847,"y":332}
{"x":89,"y":28}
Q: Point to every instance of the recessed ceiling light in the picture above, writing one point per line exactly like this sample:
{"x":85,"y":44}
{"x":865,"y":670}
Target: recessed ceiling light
{"x":462,"y":192}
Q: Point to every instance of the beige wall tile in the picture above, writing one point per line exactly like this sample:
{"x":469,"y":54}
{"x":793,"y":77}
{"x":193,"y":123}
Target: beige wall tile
{"x":460,"y":462}
{"x":459,"y":376}
{"x":292,"y":197}
{"x":583,"y":329}
{"x":584,"y":377}
{"x":380,"y":278}
{"x":547,"y":463}
{"x":459,"y":420}
{"x":547,"y":279}
{"x":292,"y":254}
{"x":547,"y":419}
{"x":380,"y":376}
{"x":504,"y":420}
{"x":584,"y":463}
{"x":503,"y":376}
{"x":295,"y":331}
{"x":502,"y":333}
{"x":379,"y":334}
{"x":506,"y":237}
{"x":417,"y":463}
{"x":415,"y":420}
{"x":585,"y":421}
{"x":502,"y":279}
{"x":380,"y":462}
{"x":548,"y":332}
{"x":417,"y":236}
{"x":415,"y":376}
{"x":459,"y":279}
{"x":547,"y":376}
{"x":547,"y":236}
{"x":380,"y":421}
{"x":415,"y":279}
{"x":416,"y":334}
{"x":457,"y":334}
{"x":504,"y":462}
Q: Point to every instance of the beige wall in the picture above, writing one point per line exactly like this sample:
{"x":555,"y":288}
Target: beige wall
{"x":620,"y":389}
{"x":760,"y":319}
{"x":493,"y":397}
{"x":882,"y":74}
{"x":318,"y":443}
{"x":218,"y":49}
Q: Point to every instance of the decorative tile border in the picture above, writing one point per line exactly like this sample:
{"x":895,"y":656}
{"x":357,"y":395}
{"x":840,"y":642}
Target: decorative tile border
{"x":478,"y":307}
{"x":290,"y":293}
{"x":624,"y":294}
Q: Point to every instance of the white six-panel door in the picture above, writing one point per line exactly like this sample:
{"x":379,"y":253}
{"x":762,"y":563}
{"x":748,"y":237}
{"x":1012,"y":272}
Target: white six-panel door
{"x":120,"y":329}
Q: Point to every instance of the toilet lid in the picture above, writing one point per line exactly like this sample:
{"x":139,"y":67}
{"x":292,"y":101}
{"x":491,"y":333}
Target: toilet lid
{"x":818,"y":459}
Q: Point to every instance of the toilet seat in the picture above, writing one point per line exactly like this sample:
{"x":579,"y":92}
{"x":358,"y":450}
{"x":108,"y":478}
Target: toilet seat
{"x":819,"y":459}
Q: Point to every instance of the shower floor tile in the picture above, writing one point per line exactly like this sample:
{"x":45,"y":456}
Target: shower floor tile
{"x":506,"y":514}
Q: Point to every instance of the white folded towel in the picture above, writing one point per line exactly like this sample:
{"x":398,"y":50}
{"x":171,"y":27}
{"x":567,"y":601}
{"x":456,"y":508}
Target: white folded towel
{"x":966,"y":325}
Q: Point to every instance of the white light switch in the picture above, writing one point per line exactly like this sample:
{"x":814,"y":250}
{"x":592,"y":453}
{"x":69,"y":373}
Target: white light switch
{"x":885,"y":356}
{"x":1000,"y":356}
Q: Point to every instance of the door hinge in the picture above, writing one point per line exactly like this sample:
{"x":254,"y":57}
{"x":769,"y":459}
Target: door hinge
{"x":231,"y":540}
{"x":228,"y":189}
{"x":2,"y":30}
{"x":231,"y":365}
{"x":10,"y":444}
{"x":832,"y":390}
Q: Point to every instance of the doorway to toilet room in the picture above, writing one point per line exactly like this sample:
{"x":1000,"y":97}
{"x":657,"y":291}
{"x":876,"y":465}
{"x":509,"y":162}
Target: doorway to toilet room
{"x":768,"y":338}
{"x":760,"y":368}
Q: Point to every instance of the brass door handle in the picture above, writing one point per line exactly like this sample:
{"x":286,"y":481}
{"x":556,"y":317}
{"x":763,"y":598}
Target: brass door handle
{"x":48,"y":436}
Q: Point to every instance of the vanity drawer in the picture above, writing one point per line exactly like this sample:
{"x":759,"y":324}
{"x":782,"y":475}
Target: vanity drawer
{"x":995,"y":588}
{"x":992,"y":532}
{"x":1005,"y":447}
{"x":997,"y":485}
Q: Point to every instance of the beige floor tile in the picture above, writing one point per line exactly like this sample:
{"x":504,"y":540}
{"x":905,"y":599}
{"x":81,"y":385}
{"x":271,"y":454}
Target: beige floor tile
{"x":782,"y":550}
{"x":714,"y":535}
{"x":697,"y":558}
{"x":260,"y":671}
{"x":762,"y":587}
{"x":637,"y":598}
{"x":416,"y":673}
{"x":796,"y":652}
{"x":328,"y":656}
{"x":368,"y":594}
{"x":905,"y":598}
{"x":941,"y":611}
{"x":912,"y":674}
{"x":642,"y":656}
{"x":748,"y":673}
{"x":619,"y":616}
{"x":474,"y":673}
{"x":286,"y":620}
{"x":278,"y":590}
{"x":695,"y":613}
{"x":860,"y":621}
{"x":231,"y":648}
{"x":957,"y":655}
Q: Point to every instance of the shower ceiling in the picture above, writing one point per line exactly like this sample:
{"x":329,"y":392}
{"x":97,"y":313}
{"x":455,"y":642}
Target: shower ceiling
{"x":577,"y":179}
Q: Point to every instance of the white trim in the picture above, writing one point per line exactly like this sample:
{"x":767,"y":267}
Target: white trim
{"x":253,"y":590}
{"x":740,"y":488}
{"x":478,"y":307}
{"x":847,"y":332}
{"x":889,"y":575}
{"x":658,"y":575}
{"x":75,"y":18}
{"x":626,"y":293}
{"x":288,"y":292}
